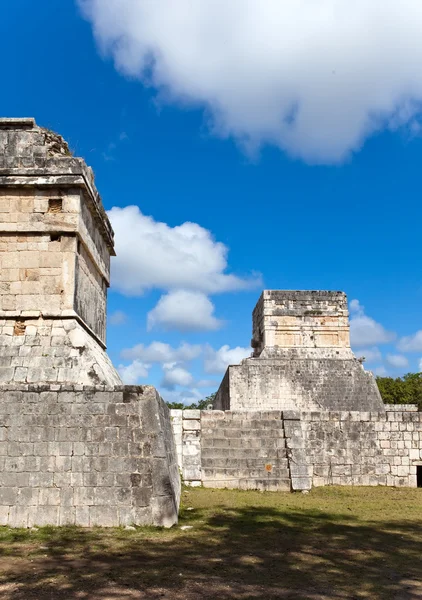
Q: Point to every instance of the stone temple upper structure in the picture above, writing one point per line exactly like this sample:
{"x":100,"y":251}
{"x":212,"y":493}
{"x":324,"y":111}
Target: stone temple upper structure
{"x":301,"y":358}
{"x":55,"y":247}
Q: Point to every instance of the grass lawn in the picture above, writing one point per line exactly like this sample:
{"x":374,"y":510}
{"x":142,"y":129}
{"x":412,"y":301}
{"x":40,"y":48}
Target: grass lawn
{"x":331,"y":543}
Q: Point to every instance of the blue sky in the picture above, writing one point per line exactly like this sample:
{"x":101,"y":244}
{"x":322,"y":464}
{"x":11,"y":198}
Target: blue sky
{"x":324,"y":198}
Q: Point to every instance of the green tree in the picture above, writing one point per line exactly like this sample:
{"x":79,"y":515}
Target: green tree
{"x":401,"y":390}
{"x":201,"y":404}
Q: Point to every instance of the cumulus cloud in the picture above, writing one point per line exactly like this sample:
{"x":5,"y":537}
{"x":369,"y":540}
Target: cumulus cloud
{"x":183,"y":311}
{"x":176,"y":376}
{"x":411,"y":343}
{"x":217,"y":361}
{"x":314,"y":78}
{"x":365,"y":331}
{"x":118,"y":317}
{"x":398,"y":361}
{"x":151,"y":255}
{"x":131,"y":374}
{"x":159,"y":352}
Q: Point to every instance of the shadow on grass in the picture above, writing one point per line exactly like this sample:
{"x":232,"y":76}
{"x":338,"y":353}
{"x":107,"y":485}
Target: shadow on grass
{"x":233,"y":553}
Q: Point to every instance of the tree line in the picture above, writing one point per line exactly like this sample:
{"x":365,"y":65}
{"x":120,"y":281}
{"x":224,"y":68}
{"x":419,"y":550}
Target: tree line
{"x":201,"y":404}
{"x":401,"y":390}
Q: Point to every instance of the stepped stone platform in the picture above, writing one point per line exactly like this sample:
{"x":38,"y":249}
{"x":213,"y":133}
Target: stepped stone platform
{"x":301,"y":358}
{"x":302,"y":411}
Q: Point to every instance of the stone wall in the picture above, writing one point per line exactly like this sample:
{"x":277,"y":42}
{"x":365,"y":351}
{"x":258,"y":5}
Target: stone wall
{"x":86,"y":456}
{"x":294,"y":450}
{"x":364,"y":448}
{"x":244,"y":450}
{"x":36,"y":270}
{"x":45,"y":262}
{"x":36,"y":349}
{"x":241,"y":449}
{"x":90,"y":293}
{"x":298,"y":383}
{"x":299,"y":319}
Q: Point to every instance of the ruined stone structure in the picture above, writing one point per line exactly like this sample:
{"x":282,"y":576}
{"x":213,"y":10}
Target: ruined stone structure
{"x":76,"y":446}
{"x":55,"y":243}
{"x":302,"y":358}
{"x":302,"y":411}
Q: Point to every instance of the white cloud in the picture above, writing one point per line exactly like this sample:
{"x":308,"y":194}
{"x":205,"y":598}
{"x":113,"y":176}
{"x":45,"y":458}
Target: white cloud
{"x":151,"y":255}
{"x":380,"y":371}
{"x":118,"y":317}
{"x":411,"y":343}
{"x":314,"y":78}
{"x":131,"y":374}
{"x":207,"y":383}
{"x":183,"y":311}
{"x":355,"y":306}
{"x":398,"y":361}
{"x":159,"y":352}
{"x":184,"y":396}
{"x":365,"y":331}
{"x":372,"y":355}
{"x":176,"y":375}
{"x":217,"y":361}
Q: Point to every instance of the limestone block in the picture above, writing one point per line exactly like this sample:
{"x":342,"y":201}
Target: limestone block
{"x":75,"y":479}
{"x":191,"y":424}
{"x":191,"y":414}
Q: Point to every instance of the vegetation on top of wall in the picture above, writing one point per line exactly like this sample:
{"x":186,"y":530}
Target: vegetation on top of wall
{"x":401,"y":390}
{"x":201,"y":404}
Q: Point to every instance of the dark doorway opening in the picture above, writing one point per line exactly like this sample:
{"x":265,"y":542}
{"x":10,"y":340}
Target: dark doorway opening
{"x":419,"y":475}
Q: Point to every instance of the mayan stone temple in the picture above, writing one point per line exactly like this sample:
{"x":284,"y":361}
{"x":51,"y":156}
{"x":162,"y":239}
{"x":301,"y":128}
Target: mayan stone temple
{"x":79,"y":447}
{"x":302,"y":358}
{"x":76,"y":446}
{"x":301,"y":411}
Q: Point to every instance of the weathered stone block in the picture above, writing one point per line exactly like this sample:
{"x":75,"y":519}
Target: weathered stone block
{"x":72,"y":478}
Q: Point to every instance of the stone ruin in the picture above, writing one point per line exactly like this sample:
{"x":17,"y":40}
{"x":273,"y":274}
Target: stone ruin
{"x":76,"y":446}
{"x":302,"y":358}
{"x":301,"y":411}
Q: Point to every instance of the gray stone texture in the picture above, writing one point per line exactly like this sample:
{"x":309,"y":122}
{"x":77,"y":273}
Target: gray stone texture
{"x":55,"y":247}
{"x":363,"y":448}
{"x":302,"y":358}
{"x":295,"y":450}
{"x":244,"y":450}
{"x":87,"y":456}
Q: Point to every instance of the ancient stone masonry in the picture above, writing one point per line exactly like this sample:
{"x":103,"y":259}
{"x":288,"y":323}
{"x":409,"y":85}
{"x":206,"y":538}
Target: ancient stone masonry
{"x":241,"y":449}
{"x":301,"y":412}
{"x":55,"y":247}
{"x":76,"y":446}
{"x":295,"y":450}
{"x":302,"y":358}
{"x":86,"y":455}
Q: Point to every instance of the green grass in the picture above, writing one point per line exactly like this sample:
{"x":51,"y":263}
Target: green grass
{"x":331,"y":543}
